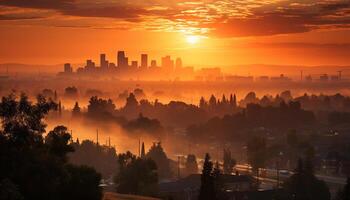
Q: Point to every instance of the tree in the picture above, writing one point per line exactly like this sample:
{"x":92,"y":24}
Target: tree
{"x":57,"y":141}
{"x":345,"y":193}
{"x":82,"y":183}
{"x":157,"y":154}
{"x":131,"y":101}
{"x":103,"y":158}
{"x":9,"y":191}
{"x":303,"y":185}
{"x":71,"y":92}
{"x":202,"y":103}
{"x":136,"y":176}
{"x":98,"y":108}
{"x":229,"y":162}
{"x":207,"y":189}
{"x":212,"y":101}
{"x":191,"y":164}
{"x":256,"y":152}
{"x":76,"y":112}
{"x":34,"y":167}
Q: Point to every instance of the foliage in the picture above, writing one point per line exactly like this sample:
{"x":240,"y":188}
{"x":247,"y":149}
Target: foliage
{"x":136,"y":176}
{"x":303,"y":185}
{"x":229,"y":162}
{"x":345,"y":193}
{"x":102,"y":158}
{"x":157,"y":154}
{"x":33,"y":167}
{"x":256,"y":152}
{"x":207,"y":189}
{"x":98,"y":107}
{"x":191,"y":164}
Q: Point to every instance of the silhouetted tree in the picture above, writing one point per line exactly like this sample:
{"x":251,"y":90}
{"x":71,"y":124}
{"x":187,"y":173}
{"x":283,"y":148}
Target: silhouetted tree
{"x":71,"y":92}
{"x":345,"y":193}
{"x":202,"y":103}
{"x":256,"y":152}
{"x":157,"y":154}
{"x":76,"y":112}
{"x":98,"y":108}
{"x":103,"y":158}
{"x":191,"y":164}
{"x":229,"y":162}
{"x":9,"y":191}
{"x":131,"y":101}
{"x":212,"y":101}
{"x":136,"y":176}
{"x":34,"y":167}
{"x":207,"y":189}
{"x":58,"y":142}
{"x":303,"y":185}
{"x":82,"y":183}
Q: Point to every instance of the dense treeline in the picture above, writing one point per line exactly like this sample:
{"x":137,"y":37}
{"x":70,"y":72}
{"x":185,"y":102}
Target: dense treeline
{"x":34,"y":166}
{"x":286,"y":116}
{"x":103,"y":158}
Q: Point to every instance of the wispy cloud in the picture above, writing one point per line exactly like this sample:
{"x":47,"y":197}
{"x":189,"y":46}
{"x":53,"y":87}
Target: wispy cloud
{"x":222,"y":18}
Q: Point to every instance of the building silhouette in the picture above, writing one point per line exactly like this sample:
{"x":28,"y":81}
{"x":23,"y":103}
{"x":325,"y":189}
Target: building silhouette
{"x":144,"y":61}
{"x":122,"y":61}
{"x":68,"y":68}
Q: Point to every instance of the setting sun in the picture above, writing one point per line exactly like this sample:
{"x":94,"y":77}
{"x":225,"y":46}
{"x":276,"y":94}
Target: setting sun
{"x":192,"y":39}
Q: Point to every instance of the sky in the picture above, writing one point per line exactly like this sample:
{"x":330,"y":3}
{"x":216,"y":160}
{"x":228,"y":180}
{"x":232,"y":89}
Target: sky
{"x":202,"y":33}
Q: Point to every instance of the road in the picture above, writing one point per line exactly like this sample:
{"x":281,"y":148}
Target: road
{"x":271,"y":175}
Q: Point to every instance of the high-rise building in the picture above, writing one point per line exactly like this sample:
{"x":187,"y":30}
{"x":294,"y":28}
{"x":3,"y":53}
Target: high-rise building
{"x":126,"y":62}
{"x":103,"y":61}
{"x":153,"y":63}
{"x":144,"y":61}
{"x":167,"y":63}
{"x":134,"y":64}
{"x":90,"y":65}
{"x":178,"y":63}
{"x":68,"y":68}
{"x":122,"y":61}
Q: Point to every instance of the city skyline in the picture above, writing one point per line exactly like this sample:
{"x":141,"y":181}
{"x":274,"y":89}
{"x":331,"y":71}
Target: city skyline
{"x":201,"y":32}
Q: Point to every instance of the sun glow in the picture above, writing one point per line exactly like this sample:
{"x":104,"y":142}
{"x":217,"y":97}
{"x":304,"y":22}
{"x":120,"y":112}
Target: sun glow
{"x":192,"y":39}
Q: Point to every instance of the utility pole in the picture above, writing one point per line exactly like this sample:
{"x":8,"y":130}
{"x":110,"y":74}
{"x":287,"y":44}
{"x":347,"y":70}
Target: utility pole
{"x":139,"y":147}
{"x":71,"y":135}
{"x":97,"y":136}
{"x":339,"y":72}
{"x":278,"y":174}
{"x":178,"y":167}
{"x":301,"y":75}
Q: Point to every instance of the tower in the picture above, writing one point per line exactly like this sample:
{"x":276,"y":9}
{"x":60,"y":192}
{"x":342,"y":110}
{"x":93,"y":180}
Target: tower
{"x":103,"y":61}
{"x":144,"y":61}
{"x":178,"y":63}
{"x":121,"y":59}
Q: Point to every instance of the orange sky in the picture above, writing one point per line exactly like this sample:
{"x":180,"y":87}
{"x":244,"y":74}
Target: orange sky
{"x":227,"y":32}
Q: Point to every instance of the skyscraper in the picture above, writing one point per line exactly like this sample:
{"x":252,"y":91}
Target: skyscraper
{"x":103,"y":61}
{"x":167,"y":64}
{"x":144,"y":61}
{"x":121,"y":59}
{"x":134,"y":64}
{"x":178,"y":63}
{"x":153,"y":63}
{"x":67,"y":68}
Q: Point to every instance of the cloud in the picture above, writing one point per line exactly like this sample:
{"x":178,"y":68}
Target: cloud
{"x":221,"y":18}
{"x":18,"y":17}
{"x":42,"y":4}
{"x":116,"y":12}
